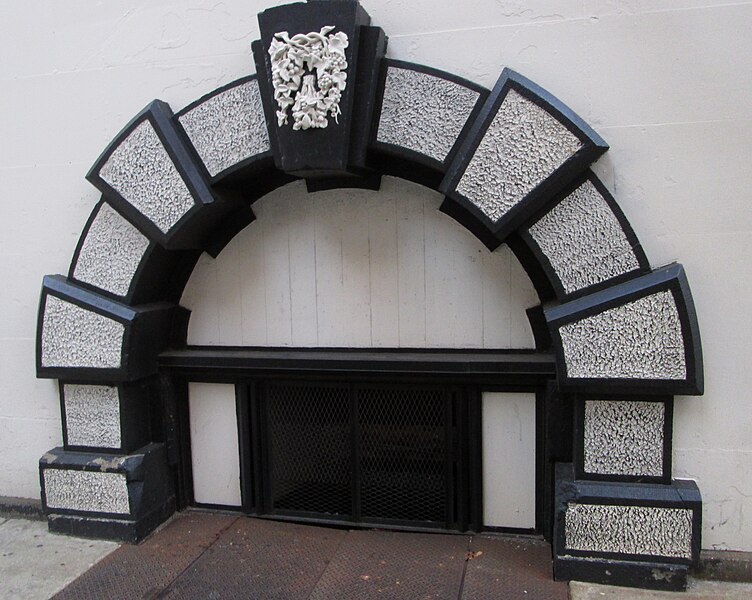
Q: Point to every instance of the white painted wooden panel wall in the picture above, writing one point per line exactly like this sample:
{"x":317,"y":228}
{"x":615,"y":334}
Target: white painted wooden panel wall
{"x":509,"y":459}
{"x":215,"y":457}
{"x":356,"y":268}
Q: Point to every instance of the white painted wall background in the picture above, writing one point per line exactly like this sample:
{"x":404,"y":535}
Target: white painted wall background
{"x":666,"y":82}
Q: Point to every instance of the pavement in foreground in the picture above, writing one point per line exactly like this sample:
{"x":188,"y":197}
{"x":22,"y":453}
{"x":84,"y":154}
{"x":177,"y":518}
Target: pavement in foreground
{"x":214,"y":556}
{"x":35,"y":564}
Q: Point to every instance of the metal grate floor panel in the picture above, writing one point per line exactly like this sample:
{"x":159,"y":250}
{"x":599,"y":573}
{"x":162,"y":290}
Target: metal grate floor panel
{"x":388,"y":564}
{"x":205,"y":555}
{"x":509,"y":567}
{"x":144,"y":571}
{"x":260,"y":559}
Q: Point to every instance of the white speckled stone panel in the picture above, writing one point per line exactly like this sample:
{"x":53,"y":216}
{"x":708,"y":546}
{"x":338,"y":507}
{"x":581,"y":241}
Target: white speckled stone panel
{"x":75,"y":337}
{"x":639,"y":340}
{"x":647,"y":530}
{"x":523,"y":146}
{"x":423,"y":113}
{"x":142,"y":172}
{"x":228,"y":128}
{"x":111,"y":253}
{"x":92,"y":415}
{"x":87,"y":491}
{"x":624,"y":438}
{"x":583,"y":240}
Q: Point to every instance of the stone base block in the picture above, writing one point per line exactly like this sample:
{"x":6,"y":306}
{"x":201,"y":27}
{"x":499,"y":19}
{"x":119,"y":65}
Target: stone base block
{"x":129,"y":531}
{"x":632,"y":534}
{"x":107,"y":496}
{"x":647,"y":575}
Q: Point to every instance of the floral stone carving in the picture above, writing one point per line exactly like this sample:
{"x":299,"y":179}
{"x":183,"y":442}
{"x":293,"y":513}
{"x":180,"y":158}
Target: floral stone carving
{"x":308,"y":74}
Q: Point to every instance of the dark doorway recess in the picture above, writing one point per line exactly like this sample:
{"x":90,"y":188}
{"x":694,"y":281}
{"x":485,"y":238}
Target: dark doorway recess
{"x":363,"y":453}
{"x":364,"y":438}
{"x":368,"y":453}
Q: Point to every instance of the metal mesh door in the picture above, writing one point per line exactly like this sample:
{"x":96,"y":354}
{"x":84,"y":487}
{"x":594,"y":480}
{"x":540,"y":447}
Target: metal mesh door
{"x":403,"y":453}
{"x":372,"y":453}
{"x":310,"y":448}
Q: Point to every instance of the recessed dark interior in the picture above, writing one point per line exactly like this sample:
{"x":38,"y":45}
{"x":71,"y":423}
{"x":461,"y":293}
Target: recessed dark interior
{"x":363,"y":452}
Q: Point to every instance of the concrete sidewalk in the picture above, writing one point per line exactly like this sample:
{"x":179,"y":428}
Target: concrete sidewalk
{"x":698,"y":589}
{"x":35,"y":564}
{"x":218,"y":549}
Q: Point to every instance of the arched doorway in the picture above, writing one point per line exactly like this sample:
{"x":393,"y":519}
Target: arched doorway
{"x":388,"y":277}
{"x":616,"y":339}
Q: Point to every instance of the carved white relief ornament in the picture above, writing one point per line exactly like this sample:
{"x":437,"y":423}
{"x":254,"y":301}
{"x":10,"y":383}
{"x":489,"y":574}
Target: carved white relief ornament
{"x":309,"y":76}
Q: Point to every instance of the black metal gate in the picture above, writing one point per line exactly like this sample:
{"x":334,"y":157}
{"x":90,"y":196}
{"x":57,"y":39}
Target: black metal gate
{"x":366,"y":437}
{"x":308,"y":448}
{"x":353,"y":452}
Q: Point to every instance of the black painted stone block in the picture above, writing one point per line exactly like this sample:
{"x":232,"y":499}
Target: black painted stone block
{"x":149,"y":180}
{"x":136,"y":402}
{"x":641,"y":338}
{"x":622,"y":545}
{"x":338,"y":149}
{"x":143,"y":475}
{"x":646,"y":575}
{"x":467,"y":211}
{"x":83,"y":336}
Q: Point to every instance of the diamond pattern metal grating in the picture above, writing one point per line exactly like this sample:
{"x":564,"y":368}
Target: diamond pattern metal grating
{"x":310,"y":448}
{"x":403,"y":453}
{"x":336,"y":447}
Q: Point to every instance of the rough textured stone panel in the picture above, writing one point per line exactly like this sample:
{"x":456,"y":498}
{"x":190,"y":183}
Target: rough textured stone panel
{"x":86,"y":491}
{"x":228,"y":128}
{"x":75,"y":337}
{"x":92,"y":415}
{"x":624,"y":438}
{"x":111,"y":253}
{"x":639,"y":340}
{"x":423,"y":112}
{"x":521,"y":148}
{"x":142,"y":172}
{"x":648,"y":530}
{"x":583,"y":240}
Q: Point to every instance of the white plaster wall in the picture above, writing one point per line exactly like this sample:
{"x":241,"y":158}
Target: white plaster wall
{"x":666,"y":82}
{"x":358,"y":268}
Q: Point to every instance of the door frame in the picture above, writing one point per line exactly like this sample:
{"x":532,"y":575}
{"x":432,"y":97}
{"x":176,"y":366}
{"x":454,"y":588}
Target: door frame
{"x":472,"y":371}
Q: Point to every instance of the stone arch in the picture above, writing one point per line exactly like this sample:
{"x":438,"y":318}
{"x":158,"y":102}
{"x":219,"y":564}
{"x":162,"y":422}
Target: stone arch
{"x":513,"y":164}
